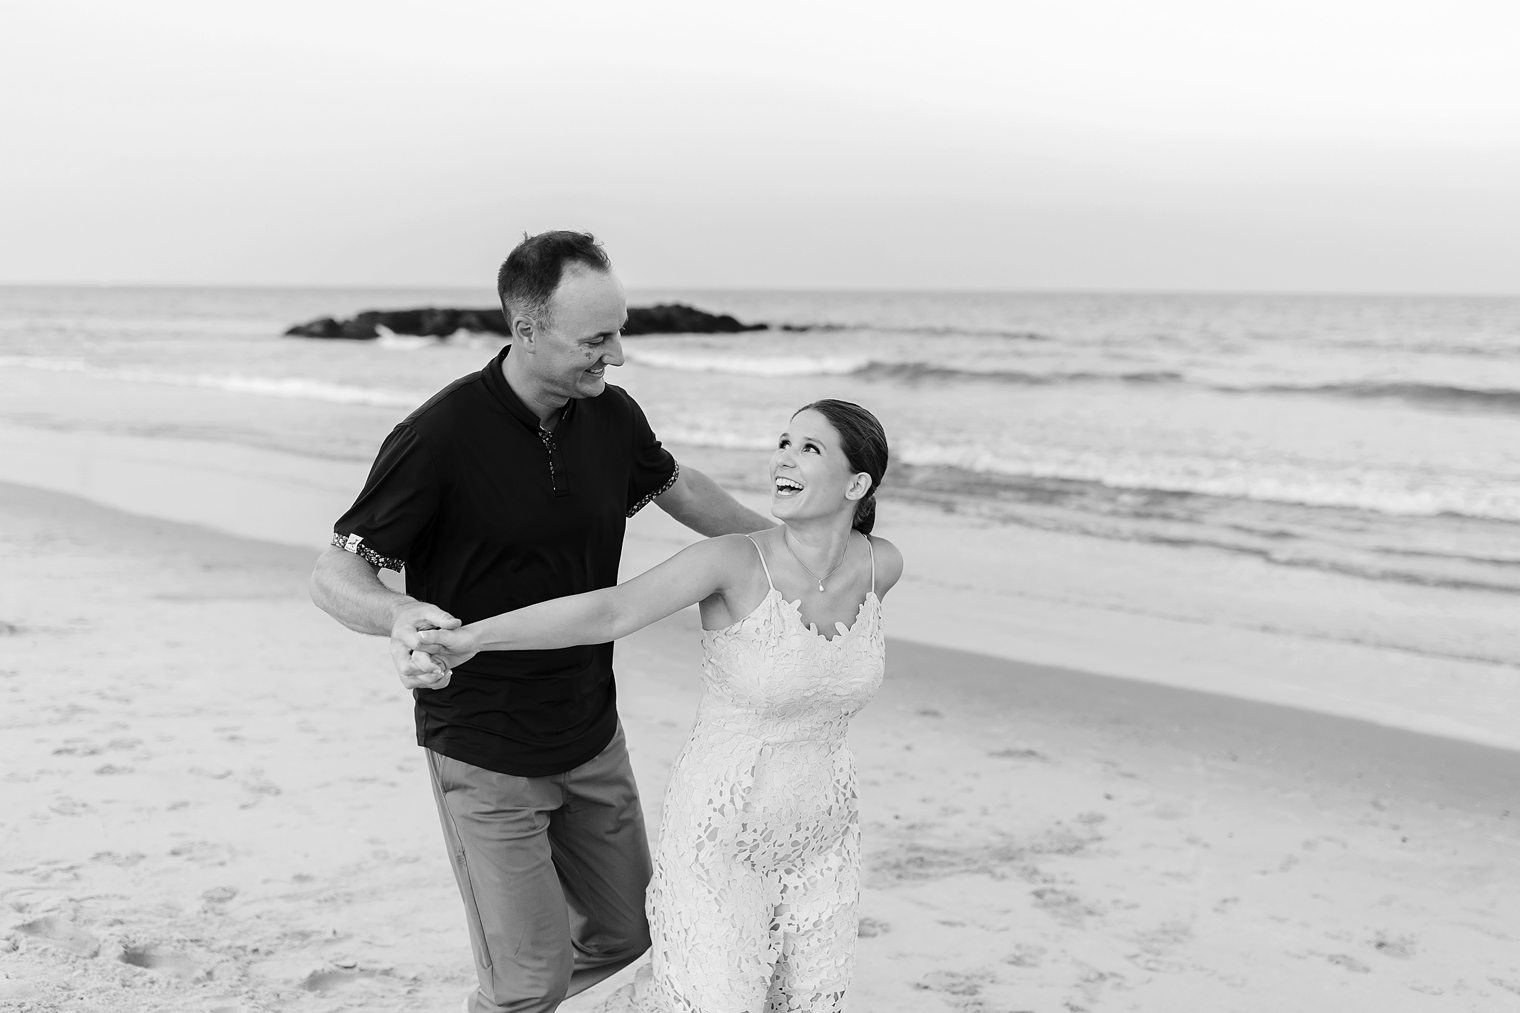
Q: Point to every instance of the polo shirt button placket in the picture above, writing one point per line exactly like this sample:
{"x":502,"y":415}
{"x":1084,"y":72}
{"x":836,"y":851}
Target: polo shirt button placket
{"x":556,"y":463}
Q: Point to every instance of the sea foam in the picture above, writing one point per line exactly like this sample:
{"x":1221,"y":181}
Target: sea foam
{"x":283,"y":387}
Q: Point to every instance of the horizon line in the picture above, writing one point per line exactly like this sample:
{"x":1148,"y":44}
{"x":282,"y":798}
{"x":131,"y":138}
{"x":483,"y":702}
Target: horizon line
{"x":811,"y":289}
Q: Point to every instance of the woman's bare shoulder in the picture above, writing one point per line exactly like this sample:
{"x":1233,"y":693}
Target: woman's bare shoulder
{"x":739,"y":580}
{"x":726,"y":553}
{"x":733,"y":545}
{"x":889,"y":564}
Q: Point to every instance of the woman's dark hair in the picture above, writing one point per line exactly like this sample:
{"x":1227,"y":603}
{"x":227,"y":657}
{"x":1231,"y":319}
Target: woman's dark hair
{"x":532,"y":271}
{"x":865,"y":448}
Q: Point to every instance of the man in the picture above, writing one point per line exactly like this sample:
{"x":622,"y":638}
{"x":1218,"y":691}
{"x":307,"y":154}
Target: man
{"x":509,"y":487}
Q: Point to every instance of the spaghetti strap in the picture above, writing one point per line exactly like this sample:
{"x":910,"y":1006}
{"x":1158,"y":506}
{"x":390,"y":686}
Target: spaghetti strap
{"x":767,"y":569}
{"x":873,"y":563}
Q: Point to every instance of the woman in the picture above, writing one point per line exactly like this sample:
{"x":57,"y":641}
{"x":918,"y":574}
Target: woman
{"x":753,"y":904}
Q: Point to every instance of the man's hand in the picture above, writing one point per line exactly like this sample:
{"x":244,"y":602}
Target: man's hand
{"x":420,"y":672}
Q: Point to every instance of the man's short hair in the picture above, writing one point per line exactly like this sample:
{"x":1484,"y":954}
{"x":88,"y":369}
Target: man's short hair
{"x":532,"y":271}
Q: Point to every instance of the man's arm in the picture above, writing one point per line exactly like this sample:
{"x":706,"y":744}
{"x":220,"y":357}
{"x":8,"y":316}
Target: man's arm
{"x":349,"y":589}
{"x":701,"y":504}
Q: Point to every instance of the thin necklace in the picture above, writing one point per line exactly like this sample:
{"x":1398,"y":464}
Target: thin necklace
{"x":815,"y":576}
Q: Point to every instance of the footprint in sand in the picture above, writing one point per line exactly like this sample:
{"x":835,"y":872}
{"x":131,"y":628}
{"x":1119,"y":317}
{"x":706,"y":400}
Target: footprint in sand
{"x":1065,"y":907}
{"x":1064,"y":840}
{"x":1030,"y":873}
{"x":1350,"y":963}
{"x":79,"y":748}
{"x":1025,"y":955}
{"x":203,"y":852}
{"x":1094,"y":982}
{"x":1118,"y":771}
{"x":1020,"y":754}
{"x":66,"y":806}
{"x":1155,"y":964}
{"x":337,"y":977}
{"x":1156,"y":946}
{"x":126,"y":861}
{"x":259,"y":789}
{"x":916,"y":862}
{"x":1166,"y":936}
{"x":176,"y":965}
{"x":1402,"y":947}
{"x":957,"y":983}
{"x":64,"y":934}
{"x":89,"y":747}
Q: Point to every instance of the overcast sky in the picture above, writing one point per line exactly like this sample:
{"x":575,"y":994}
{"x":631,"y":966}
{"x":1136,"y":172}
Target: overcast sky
{"x":1170,"y":144}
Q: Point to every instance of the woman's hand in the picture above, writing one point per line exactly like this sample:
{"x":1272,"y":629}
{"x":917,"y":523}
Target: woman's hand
{"x":448,"y":648}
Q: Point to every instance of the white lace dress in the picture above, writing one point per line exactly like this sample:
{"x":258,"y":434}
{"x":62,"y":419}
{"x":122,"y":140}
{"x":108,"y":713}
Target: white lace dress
{"x":753,"y":904}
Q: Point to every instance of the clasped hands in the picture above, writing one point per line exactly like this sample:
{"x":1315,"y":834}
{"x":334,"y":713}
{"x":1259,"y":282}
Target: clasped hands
{"x":427,"y":644}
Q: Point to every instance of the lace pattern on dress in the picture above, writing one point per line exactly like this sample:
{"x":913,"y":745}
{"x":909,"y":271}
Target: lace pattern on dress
{"x":755,"y":897}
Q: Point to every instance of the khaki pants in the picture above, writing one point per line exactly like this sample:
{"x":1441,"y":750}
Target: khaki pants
{"x":552,"y":871}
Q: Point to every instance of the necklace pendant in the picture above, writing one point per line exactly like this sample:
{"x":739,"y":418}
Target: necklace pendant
{"x":820,"y":585}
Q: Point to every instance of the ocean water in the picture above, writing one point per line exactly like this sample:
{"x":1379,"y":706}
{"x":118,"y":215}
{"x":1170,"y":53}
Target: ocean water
{"x":1377,"y":437}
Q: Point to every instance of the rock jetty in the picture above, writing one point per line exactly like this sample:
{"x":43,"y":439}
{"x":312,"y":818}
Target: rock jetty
{"x":665,"y":318}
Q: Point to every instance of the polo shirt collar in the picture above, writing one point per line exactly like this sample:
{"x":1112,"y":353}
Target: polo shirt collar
{"x":496,"y":382}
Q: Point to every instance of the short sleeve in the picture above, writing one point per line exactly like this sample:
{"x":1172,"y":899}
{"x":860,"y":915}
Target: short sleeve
{"x":654,"y":470}
{"x":398,"y":502}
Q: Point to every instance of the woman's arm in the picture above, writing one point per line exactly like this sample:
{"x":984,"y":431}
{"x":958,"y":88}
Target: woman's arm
{"x":696,"y":572}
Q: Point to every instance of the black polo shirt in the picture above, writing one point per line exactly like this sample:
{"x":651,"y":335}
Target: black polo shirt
{"x":487,"y":513}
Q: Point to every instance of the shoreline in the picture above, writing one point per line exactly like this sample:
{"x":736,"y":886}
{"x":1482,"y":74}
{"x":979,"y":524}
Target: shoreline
{"x":1020,"y":594}
{"x":191,"y":830}
{"x":1070,"y":601}
{"x":1215,"y":727}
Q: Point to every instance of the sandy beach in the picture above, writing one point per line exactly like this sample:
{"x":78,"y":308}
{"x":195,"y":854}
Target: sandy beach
{"x":214,"y":803}
{"x":1191,"y":334}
